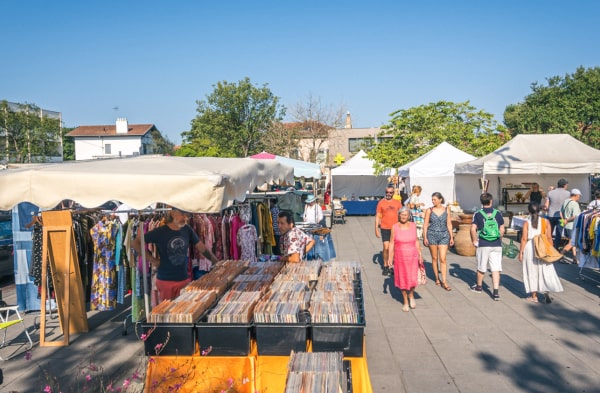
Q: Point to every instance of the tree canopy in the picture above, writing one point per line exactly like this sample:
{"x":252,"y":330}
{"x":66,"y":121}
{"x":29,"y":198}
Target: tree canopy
{"x":232,"y":120}
{"x":28,"y":133}
{"x":565,"y":105}
{"x":414,"y":131}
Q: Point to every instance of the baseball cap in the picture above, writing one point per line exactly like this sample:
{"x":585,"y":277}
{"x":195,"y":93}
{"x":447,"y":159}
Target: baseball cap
{"x":575,"y":191}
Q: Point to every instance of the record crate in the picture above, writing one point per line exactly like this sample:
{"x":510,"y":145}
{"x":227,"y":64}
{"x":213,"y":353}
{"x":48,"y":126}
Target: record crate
{"x":167,"y":339}
{"x":338,"y":337}
{"x":224,"y":339}
{"x":278,"y":339}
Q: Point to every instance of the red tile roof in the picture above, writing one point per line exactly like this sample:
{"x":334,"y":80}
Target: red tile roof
{"x":111,"y":130}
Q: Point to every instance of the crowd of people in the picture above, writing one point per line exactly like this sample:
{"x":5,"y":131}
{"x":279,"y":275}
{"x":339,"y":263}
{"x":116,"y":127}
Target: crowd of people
{"x":404,"y":228}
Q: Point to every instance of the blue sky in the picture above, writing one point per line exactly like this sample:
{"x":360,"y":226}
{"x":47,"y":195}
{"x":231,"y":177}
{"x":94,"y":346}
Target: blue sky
{"x":154,"y":59}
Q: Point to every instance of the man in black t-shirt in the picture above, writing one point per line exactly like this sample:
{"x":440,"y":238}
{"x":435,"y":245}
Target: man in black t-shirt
{"x":173,"y":244}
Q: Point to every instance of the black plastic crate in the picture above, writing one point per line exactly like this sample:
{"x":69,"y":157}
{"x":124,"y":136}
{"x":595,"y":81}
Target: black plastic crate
{"x":338,"y":338}
{"x":173,"y":338}
{"x":224,"y":339}
{"x":280,"y":339}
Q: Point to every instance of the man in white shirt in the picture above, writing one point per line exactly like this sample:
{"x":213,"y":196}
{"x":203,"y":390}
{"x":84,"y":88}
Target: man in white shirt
{"x":313,"y":214}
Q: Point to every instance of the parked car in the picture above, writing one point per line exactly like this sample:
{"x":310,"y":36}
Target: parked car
{"x":6,"y":245}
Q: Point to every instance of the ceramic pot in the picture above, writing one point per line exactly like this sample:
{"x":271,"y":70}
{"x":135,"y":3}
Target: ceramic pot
{"x":465,"y":218}
{"x":462,"y":241}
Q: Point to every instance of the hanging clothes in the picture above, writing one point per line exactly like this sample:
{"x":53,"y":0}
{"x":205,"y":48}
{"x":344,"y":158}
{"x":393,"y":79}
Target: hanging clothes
{"x":104,"y":283}
{"x":247,"y":239}
{"x":27,"y":291}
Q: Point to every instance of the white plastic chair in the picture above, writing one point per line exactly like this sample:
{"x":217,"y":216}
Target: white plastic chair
{"x":10,"y":316}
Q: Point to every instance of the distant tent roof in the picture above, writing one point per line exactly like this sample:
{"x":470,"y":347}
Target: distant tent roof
{"x":304,"y":169}
{"x":439,"y":161}
{"x":359,"y":165}
{"x":536,"y":154}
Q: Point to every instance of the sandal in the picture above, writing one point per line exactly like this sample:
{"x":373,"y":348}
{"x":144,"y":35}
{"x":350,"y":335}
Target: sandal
{"x":437,"y":282}
{"x":533,"y":299}
{"x":446,"y":287}
{"x":413,"y":305}
{"x":405,"y":308}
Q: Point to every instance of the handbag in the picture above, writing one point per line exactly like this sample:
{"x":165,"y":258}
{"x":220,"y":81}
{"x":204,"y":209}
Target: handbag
{"x":421,"y":275}
{"x":544,"y":250}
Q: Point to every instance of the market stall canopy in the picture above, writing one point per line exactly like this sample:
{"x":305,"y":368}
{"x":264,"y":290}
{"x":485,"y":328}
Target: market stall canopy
{"x":434,"y":171}
{"x":304,"y":169}
{"x":195,"y":184}
{"x":536,"y":154}
{"x":357,"y":177}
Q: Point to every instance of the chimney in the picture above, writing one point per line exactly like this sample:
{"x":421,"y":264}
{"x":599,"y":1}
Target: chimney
{"x":348,"y":121}
{"x":121,"y":125}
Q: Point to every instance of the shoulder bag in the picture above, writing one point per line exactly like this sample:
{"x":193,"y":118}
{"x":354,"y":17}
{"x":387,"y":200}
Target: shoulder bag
{"x":544,"y":250}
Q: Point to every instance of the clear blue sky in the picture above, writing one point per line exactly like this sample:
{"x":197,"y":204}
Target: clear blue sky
{"x":154,"y":59}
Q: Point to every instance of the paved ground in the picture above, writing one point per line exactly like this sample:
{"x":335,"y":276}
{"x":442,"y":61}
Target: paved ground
{"x":455,"y":341}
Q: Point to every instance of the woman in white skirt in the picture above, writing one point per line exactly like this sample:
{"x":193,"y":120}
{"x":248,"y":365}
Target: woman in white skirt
{"x":538,"y":276}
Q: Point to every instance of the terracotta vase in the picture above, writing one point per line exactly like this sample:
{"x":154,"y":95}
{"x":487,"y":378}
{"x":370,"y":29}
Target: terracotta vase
{"x":462,"y":241}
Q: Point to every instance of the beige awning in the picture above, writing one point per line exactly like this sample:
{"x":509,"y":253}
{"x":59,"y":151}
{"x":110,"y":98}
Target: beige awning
{"x":195,"y":184}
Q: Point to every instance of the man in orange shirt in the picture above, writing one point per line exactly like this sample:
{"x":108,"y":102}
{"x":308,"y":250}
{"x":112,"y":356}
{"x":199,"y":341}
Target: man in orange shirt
{"x":386,"y":216}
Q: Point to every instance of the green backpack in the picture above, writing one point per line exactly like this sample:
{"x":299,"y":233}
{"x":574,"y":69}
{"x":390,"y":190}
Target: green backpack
{"x":490,"y":230}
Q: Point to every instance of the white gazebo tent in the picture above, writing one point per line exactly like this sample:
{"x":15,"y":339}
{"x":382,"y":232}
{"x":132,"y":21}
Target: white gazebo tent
{"x":357,"y":177}
{"x":434,"y":171}
{"x":541,"y":158}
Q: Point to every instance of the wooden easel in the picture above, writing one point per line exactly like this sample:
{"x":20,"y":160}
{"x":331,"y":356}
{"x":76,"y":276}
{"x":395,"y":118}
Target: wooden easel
{"x":58,"y":248}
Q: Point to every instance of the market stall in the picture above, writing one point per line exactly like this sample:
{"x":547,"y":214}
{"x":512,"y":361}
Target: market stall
{"x":434,"y":172}
{"x":539,"y":158}
{"x":357,"y":186}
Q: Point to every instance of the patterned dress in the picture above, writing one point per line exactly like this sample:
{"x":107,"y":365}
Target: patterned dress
{"x":406,"y":256}
{"x":104,"y":283}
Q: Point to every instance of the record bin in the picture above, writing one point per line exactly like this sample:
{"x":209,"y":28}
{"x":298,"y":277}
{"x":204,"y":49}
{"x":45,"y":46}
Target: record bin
{"x":171,"y":339}
{"x":278,"y":339}
{"x":335,"y":337}
{"x":224,"y":339}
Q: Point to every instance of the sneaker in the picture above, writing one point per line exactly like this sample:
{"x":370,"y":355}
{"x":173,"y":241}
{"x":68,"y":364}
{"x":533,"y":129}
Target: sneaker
{"x":548,"y":298}
{"x":496,"y":295}
{"x":391,"y":271}
{"x":385,"y":271}
{"x":476,"y":288}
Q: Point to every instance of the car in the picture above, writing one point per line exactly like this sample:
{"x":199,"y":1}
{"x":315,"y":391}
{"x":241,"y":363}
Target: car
{"x":7,"y":266}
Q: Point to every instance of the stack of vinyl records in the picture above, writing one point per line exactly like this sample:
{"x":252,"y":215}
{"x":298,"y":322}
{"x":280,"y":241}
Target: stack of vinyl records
{"x":318,"y":372}
{"x":334,"y":301}
{"x":289,"y":294}
{"x":219,"y":278}
{"x":186,"y":308}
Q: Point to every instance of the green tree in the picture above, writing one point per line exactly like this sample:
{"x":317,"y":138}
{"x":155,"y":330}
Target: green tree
{"x":565,"y":105}
{"x":161,"y":144}
{"x":233,"y":118}
{"x":415,"y":131}
{"x":68,"y":145}
{"x":27,"y":134}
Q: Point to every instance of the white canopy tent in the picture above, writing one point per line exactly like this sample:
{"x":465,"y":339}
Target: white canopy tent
{"x":195,"y":184}
{"x":357,"y":177}
{"x":434,"y":171}
{"x":541,"y":158}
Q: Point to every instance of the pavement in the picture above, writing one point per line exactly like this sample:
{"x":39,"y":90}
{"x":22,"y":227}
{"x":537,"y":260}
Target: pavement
{"x":456,"y":341}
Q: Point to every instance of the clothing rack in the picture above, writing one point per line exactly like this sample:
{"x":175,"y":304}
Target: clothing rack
{"x":589,"y":273}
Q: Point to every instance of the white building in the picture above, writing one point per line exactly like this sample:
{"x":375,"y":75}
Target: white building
{"x":107,"y":141}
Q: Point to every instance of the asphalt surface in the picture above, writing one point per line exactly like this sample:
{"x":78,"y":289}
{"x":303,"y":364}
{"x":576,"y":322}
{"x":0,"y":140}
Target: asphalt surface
{"x":454,"y":341}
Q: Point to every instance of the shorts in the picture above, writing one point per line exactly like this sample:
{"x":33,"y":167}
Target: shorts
{"x":385,"y":234}
{"x":169,"y":289}
{"x":438,"y":238}
{"x":491,"y":255}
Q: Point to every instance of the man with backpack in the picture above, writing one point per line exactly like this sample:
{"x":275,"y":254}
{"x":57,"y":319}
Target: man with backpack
{"x":487,"y":230}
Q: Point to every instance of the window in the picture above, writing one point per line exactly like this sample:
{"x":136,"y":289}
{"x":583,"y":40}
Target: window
{"x":107,"y":149}
{"x":357,"y":144}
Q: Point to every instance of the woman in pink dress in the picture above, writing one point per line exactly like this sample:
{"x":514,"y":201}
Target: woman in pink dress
{"x":405,"y":254}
